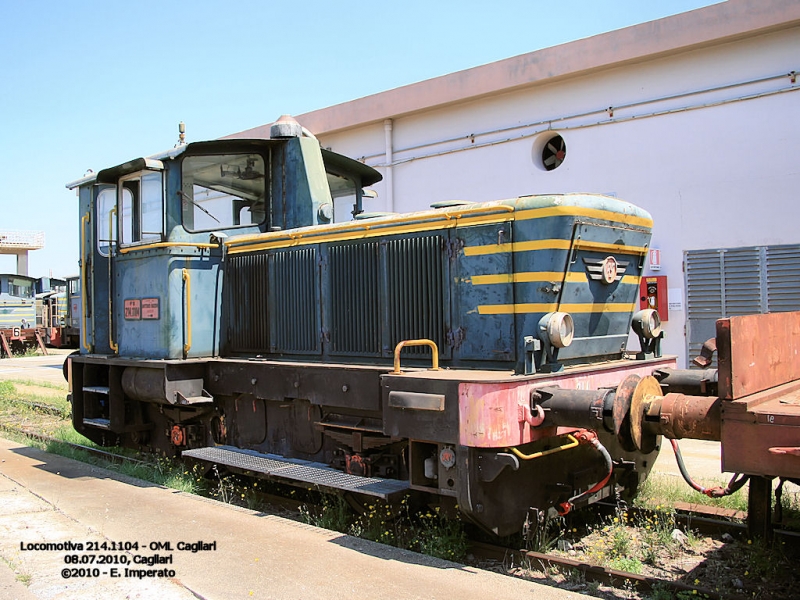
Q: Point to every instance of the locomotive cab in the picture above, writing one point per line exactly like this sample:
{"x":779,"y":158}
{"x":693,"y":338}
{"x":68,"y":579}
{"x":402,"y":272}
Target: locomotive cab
{"x":152,"y":233}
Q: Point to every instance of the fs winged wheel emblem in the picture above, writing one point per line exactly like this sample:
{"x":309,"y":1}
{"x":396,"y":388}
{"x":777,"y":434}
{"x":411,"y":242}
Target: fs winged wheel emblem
{"x":607,"y":270}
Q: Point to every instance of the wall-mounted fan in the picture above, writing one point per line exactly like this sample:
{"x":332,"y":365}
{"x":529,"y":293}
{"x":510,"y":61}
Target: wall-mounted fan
{"x":554,"y":152}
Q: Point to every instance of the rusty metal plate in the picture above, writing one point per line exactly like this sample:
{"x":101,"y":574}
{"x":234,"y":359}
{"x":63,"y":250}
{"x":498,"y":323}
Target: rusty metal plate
{"x":757,"y":352}
{"x":758,"y":430}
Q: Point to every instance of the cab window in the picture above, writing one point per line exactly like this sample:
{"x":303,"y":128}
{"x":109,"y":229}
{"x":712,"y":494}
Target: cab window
{"x":21,"y":288}
{"x":141,"y":204}
{"x":106,"y":225}
{"x":219,"y":191}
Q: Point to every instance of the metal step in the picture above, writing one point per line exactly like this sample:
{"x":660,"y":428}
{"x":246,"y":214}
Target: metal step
{"x":99,"y":423}
{"x":298,"y":470}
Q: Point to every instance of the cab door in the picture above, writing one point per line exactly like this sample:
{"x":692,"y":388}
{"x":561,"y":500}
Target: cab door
{"x":98,"y":256}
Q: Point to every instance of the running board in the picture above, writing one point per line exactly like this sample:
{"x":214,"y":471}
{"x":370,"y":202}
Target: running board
{"x":317,"y":474}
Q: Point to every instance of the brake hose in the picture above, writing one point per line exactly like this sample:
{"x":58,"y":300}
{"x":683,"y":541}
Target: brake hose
{"x":587,"y":437}
{"x":716,"y":492}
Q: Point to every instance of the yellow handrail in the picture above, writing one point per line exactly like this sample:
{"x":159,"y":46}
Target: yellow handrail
{"x":111,"y":343}
{"x":401,"y":345}
{"x":167,"y":245}
{"x":84,"y":290}
{"x":188,"y":283}
{"x":573,"y":441}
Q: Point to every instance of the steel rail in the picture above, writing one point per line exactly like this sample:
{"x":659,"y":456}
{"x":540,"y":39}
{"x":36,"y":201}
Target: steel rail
{"x":104,"y":454}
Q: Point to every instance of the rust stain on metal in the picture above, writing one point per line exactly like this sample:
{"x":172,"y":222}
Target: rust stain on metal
{"x":755,"y":425}
{"x":694,"y":417}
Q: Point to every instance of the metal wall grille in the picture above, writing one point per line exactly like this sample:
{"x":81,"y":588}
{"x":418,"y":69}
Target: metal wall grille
{"x":355,"y":299}
{"x":783,"y":278}
{"x":738,"y":281}
{"x":294,"y":302}
{"x":248,"y":293}
{"x":415,"y":295}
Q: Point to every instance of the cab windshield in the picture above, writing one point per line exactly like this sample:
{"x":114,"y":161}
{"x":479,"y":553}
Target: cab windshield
{"x":223,"y":190}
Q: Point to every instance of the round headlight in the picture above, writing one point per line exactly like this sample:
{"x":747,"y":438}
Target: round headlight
{"x":647,"y":323}
{"x":559,"y":328}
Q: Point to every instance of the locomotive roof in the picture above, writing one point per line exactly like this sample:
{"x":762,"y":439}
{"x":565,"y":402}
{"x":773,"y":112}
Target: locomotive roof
{"x":339,"y":163}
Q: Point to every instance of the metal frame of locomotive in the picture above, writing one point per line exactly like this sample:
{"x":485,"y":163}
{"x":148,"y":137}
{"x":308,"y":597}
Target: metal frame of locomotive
{"x":227,"y":319}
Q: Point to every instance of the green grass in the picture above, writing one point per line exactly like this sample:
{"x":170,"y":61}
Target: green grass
{"x":169,"y":473}
{"x":43,"y":393}
{"x":427,"y":531}
{"x":42,"y":384}
{"x":661,"y":490}
{"x":166,"y":472}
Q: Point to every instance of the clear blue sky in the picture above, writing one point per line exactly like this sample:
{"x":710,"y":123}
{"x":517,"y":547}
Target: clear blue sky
{"x":90,"y":84}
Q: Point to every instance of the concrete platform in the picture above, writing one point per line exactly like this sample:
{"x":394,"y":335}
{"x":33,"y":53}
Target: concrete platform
{"x":40,"y":368}
{"x":47,"y":499}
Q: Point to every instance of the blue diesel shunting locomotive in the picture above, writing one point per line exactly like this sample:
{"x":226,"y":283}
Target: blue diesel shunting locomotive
{"x":226,"y":317}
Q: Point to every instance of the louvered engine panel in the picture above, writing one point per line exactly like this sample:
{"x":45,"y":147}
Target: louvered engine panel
{"x":355,"y":325}
{"x":294,"y":315}
{"x":415,"y":291}
{"x":248,"y":293}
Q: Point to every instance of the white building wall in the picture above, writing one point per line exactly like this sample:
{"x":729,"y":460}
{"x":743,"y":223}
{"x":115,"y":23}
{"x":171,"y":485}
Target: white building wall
{"x":715,"y":167}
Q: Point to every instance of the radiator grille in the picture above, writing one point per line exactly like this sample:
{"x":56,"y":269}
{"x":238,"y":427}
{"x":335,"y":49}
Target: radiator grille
{"x":294,"y":304}
{"x":415,"y":295}
{"x":375,"y":294}
{"x":355,"y":299}
{"x":249,"y":293}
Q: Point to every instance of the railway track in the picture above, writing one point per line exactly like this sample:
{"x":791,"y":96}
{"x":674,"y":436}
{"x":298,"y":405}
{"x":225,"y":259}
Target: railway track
{"x":40,"y":407}
{"x":590,"y":573}
{"x":96,"y":452}
{"x":721,"y":523}
{"x":114,"y":458}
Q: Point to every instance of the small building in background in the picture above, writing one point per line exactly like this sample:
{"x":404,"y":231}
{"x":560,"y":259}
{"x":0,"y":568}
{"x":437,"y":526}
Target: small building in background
{"x":20,"y":243}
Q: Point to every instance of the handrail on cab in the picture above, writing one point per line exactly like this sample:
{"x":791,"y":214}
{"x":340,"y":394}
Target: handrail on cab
{"x":187,"y":346}
{"x":434,"y":350}
{"x":84,"y":332}
{"x":111,"y":344}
